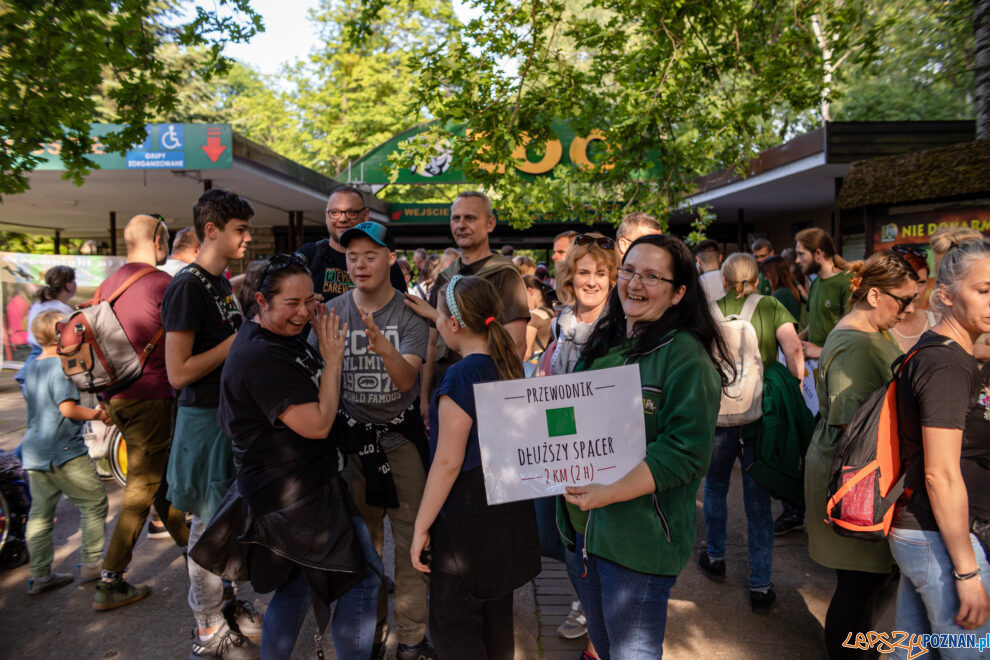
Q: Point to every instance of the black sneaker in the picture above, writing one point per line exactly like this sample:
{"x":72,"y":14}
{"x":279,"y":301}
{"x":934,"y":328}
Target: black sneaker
{"x":157,"y":530}
{"x":714,"y":569}
{"x":243,"y":618}
{"x":421,"y":651}
{"x":224,"y":643}
{"x":787,"y":523}
{"x":761,"y":601}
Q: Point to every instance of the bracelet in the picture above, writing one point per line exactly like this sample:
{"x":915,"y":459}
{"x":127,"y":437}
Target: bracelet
{"x":965,"y":576}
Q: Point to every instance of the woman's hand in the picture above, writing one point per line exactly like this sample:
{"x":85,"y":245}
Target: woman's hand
{"x":377,"y":343}
{"x":974,"y":604}
{"x":421,"y":307}
{"x":591,"y":496}
{"x":332,"y":338}
{"x":420,"y":542}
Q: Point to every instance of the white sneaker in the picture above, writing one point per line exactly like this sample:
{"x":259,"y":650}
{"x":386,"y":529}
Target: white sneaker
{"x":575,"y":625}
{"x":89,"y":571}
{"x":50,"y":581}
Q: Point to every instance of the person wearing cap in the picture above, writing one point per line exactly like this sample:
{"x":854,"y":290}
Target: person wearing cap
{"x":378,"y":426}
{"x":326,"y":258}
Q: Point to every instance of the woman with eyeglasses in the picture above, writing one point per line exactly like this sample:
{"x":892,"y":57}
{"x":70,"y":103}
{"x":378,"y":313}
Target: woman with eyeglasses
{"x":584,"y":278}
{"x":943,"y":411}
{"x":922,"y":319}
{"x":855,"y":361}
{"x":628,"y":541}
{"x":288,"y":523}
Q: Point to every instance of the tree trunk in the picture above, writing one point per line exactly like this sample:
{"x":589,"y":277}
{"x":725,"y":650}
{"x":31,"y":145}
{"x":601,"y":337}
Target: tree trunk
{"x":981,"y":67}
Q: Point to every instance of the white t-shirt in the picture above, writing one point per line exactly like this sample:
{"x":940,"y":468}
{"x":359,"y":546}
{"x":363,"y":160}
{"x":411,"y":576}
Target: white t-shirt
{"x":711,"y":282}
{"x":173,"y":266}
{"x":38,"y":308}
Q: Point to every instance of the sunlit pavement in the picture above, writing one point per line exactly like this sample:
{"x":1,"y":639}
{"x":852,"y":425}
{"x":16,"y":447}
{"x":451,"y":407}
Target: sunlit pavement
{"x":706,"y":620}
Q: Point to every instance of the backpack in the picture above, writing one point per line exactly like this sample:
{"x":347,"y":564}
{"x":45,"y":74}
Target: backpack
{"x":96,"y":354}
{"x":742,"y":399}
{"x":866,"y":478}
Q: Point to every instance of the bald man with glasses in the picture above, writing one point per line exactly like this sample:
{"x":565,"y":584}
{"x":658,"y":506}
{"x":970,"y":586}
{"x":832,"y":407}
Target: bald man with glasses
{"x":327,"y":262}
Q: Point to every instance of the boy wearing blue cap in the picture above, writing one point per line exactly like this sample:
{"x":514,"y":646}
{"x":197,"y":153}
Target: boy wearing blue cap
{"x":379,"y":424}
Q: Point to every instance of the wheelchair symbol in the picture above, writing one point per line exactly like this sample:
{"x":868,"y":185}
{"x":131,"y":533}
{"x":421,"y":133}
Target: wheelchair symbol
{"x":171,"y":137}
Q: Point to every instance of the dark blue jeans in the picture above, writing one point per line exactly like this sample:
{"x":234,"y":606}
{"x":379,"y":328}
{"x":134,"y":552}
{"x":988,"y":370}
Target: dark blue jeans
{"x":756,"y":499}
{"x":354,"y":615}
{"x":626,"y":610}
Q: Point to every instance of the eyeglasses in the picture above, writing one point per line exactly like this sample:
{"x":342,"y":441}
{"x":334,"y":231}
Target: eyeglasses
{"x":161,"y":222}
{"x":350,"y":213}
{"x":278,"y":262}
{"x":603,"y":242}
{"x":648,"y":279}
{"x":904,"y":302}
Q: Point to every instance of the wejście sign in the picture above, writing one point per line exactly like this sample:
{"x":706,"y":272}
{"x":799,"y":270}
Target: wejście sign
{"x":540,"y":435}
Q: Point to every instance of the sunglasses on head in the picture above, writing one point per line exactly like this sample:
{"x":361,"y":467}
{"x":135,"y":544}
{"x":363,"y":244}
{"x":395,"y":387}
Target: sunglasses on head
{"x":161,"y":221}
{"x":901,"y":250}
{"x":603,"y":242}
{"x":278,"y":262}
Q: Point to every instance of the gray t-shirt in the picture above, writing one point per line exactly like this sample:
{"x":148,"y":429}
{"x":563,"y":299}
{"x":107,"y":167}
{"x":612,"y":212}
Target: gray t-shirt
{"x":367,"y":393}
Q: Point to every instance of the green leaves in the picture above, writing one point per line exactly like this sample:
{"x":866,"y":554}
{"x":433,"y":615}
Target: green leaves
{"x":64,"y":65}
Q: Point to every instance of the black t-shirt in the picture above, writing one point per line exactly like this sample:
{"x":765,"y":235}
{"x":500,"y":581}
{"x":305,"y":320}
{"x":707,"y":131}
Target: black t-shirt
{"x":942,"y":387}
{"x":266,"y":451}
{"x":213,"y":317}
{"x":329,"y":268}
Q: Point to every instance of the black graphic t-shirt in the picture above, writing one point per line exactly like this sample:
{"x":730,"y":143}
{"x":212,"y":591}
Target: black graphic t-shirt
{"x":329,"y":268}
{"x":213,"y":317}
{"x":265,"y":448}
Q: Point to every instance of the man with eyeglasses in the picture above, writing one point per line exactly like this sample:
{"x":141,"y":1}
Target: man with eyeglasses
{"x":144,"y":411}
{"x":327,"y":260}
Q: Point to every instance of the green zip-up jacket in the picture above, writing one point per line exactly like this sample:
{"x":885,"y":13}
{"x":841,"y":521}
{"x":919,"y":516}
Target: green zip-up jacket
{"x":655,"y":533}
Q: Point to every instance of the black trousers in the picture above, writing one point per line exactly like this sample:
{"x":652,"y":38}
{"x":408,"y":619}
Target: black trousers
{"x":858,"y":601}
{"x":462,"y":626}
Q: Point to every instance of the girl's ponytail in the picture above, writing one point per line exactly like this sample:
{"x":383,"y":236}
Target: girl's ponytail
{"x":478,"y":307}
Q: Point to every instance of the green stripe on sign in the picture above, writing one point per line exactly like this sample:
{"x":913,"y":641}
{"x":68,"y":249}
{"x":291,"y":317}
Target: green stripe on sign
{"x":560,"y":421}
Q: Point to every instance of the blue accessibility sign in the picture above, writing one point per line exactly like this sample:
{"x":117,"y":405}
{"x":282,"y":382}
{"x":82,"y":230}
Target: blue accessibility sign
{"x":172,"y":137}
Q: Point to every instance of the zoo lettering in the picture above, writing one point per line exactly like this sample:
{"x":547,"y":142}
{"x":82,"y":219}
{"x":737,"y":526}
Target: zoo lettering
{"x":553,"y":151}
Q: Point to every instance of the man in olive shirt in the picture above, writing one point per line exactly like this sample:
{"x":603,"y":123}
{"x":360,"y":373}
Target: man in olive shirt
{"x":471,"y":222}
{"x":829,"y":292}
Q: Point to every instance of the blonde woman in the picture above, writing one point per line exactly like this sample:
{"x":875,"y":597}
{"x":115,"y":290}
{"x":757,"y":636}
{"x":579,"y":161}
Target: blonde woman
{"x":774,"y":328}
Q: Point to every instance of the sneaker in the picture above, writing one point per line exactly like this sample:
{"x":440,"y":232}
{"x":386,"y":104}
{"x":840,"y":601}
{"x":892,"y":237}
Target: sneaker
{"x":421,"y":651}
{"x":50,"y":581}
{"x":575,"y":625}
{"x":157,"y":530}
{"x":89,"y":571}
{"x":120,"y":592}
{"x":224,"y":643}
{"x":243,"y":618}
{"x":787,"y":523}
{"x":760,"y":601}
{"x":714,"y":569}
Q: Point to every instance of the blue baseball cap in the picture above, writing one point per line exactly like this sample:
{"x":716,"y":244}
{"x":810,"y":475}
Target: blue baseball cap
{"x":376,"y":232}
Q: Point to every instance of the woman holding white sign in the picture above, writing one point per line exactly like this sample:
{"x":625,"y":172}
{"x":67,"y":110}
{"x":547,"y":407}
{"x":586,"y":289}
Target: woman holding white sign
{"x":629,"y":540}
{"x":480,"y":553}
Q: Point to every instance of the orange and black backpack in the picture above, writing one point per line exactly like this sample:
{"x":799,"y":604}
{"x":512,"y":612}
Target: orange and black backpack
{"x":867,"y":474}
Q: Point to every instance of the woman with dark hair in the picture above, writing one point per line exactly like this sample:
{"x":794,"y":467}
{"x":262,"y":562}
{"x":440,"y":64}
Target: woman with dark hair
{"x":249,"y":287}
{"x":427,"y":276}
{"x":855,"y":361}
{"x":288,"y":523}
{"x":939,"y":534}
{"x":633,"y":537}
{"x":783,"y":287}
{"x":922,"y":319}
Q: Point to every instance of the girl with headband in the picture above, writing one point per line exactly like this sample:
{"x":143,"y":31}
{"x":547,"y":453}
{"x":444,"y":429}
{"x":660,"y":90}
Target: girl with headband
{"x":476,"y":554}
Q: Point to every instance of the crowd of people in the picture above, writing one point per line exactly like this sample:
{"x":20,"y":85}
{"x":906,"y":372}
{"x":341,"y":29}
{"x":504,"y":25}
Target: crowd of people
{"x":336,"y":390}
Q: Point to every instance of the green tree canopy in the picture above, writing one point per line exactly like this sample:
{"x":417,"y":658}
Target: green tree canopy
{"x":65,"y":64}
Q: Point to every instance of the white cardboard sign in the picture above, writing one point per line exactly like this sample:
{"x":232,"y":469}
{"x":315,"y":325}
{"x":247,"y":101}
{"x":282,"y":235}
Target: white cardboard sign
{"x":540,"y":435}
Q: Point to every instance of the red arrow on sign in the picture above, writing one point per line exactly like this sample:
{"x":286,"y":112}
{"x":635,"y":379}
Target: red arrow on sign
{"x":213,"y":148}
